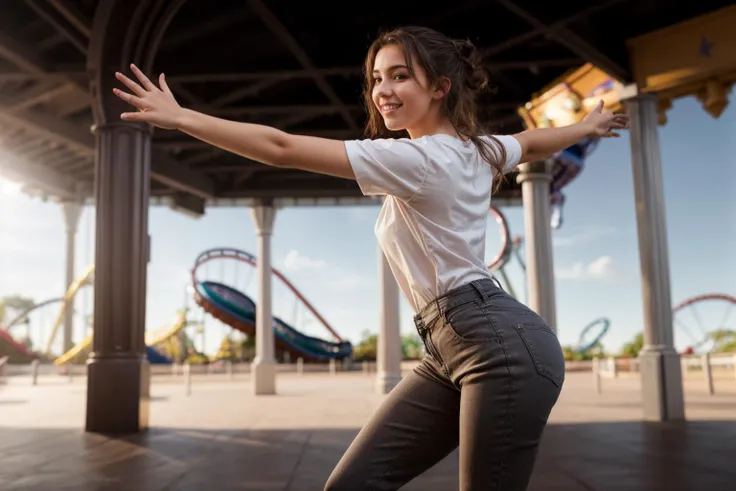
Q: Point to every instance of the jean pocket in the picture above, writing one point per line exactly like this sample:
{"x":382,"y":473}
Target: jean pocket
{"x":469,"y":322}
{"x":544,"y":349}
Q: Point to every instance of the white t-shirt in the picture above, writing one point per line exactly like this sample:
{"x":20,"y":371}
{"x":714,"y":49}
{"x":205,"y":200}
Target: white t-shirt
{"x":432,"y":225}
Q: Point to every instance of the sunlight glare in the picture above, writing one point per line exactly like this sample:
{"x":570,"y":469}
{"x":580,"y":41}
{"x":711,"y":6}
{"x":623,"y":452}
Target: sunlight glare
{"x":8,"y":187}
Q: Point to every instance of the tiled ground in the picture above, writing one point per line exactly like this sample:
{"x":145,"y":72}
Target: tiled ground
{"x":223,"y":438}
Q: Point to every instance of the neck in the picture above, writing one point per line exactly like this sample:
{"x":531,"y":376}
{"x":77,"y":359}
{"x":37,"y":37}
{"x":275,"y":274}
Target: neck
{"x":432,"y":125}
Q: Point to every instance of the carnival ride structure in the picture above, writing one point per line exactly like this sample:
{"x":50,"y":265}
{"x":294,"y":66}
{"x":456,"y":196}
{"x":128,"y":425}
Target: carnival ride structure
{"x":162,"y":345}
{"x":237,"y":310}
{"x":703,"y":310}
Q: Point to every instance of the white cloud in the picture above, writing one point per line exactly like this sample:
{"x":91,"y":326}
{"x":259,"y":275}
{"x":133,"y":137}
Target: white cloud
{"x":601,"y":268}
{"x":294,"y":261}
{"x":584,"y":235}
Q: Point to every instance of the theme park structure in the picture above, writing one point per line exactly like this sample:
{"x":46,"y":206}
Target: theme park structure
{"x":162,"y":346}
{"x":238,"y":310}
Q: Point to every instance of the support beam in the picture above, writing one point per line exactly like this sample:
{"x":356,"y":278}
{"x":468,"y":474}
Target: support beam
{"x":293,"y":45}
{"x":163,"y":168}
{"x":188,"y":204}
{"x":571,"y":41}
{"x":62,"y":25}
{"x":73,"y":16}
{"x":550,"y":29}
{"x":72,"y":211}
{"x":535,"y":178}
{"x":264,"y":364}
{"x":25,"y":58}
{"x":661,"y":376}
{"x":274,"y":74}
{"x":168,"y":171}
{"x":118,"y":382}
{"x":119,"y":379}
{"x":389,"y":336}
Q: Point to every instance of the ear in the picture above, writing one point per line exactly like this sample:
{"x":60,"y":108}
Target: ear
{"x":442,"y":88}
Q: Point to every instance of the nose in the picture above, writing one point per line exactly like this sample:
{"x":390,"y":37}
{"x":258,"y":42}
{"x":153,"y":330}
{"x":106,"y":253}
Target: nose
{"x":383,"y":90}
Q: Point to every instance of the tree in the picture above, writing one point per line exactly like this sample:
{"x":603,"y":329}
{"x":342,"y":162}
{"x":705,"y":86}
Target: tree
{"x":367,"y":349}
{"x":632,"y":349}
{"x":573,"y":354}
{"x":724,"y":340}
{"x":412,"y":347}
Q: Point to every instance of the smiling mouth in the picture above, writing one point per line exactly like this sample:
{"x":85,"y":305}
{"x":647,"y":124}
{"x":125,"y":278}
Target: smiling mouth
{"x":387,"y":108}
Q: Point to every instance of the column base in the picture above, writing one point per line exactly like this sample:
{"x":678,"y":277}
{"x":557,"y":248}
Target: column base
{"x":264,"y":377}
{"x":386,"y":381}
{"x":118,"y":395}
{"x":661,"y":385}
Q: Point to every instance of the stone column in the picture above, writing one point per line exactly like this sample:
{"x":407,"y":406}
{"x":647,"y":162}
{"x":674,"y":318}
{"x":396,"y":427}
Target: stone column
{"x":264,"y":363}
{"x":118,"y":382}
{"x":72,"y":211}
{"x":388,"y":364}
{"x":661,"y":377}
{"x":535,"y":178}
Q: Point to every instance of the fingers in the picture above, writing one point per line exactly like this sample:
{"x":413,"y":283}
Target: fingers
{"x":164,"y":86}
{"x":135,"y":117}
{"x":129,"y":98}
{"x":599,"y":107}
{"x":139,"y":91}
{"x":142,"y":77}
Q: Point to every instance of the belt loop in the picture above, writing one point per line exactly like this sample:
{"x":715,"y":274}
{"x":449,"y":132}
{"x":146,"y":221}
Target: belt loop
{"x":476,"y":284}
{"x":498,"y":283}
{"x":439,"y":308}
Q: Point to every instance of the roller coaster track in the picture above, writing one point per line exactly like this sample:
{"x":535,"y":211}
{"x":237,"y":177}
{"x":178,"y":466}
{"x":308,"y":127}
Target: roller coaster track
{"x":237,"y":254}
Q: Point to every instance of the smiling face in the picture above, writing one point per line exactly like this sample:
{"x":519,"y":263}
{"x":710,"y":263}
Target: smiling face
{"x":405,"y":102}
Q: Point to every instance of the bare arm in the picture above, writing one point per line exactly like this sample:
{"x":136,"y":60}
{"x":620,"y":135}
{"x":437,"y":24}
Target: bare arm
{"x":261,"y":143}
{"x":541,"y":143}
{"x":269,"y":145}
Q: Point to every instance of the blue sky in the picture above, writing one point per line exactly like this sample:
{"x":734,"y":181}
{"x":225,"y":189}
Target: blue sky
{"x":330,"y":254}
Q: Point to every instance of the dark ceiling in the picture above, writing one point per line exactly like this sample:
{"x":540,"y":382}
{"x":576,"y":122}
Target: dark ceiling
{"x":293,"y":65}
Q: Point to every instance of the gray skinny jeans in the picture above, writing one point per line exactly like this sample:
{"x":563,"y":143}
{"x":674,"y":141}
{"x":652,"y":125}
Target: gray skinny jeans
{"x":492,"y":373}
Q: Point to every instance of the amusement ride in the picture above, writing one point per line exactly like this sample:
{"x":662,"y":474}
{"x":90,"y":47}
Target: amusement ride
{"x":560,"y":104}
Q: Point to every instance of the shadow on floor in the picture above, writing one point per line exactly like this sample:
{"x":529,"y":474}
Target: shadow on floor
{"x":688,"y":456}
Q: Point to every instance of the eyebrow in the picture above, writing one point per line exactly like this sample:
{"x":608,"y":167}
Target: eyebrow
{"x":394,"y":67}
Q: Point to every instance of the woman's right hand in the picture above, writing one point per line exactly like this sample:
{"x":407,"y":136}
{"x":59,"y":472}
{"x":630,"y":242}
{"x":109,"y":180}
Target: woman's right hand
{"x":156,"y":106}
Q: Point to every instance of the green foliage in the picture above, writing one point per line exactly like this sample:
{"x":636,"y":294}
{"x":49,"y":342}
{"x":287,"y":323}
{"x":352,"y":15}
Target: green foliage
{"x":572,"y":354}
{"x":724,"y":340}
{"x":367,"y":349}
{"x":412,"y":347}
{"x":632,"y":349}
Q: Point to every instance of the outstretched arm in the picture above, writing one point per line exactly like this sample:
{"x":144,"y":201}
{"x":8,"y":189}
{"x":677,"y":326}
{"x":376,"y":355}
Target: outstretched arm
{"x":261,"y":143}
{"x":540,"y":143}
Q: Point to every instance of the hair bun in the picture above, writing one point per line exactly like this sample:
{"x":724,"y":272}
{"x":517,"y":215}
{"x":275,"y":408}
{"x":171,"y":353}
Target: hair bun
{"x":476,"y":75}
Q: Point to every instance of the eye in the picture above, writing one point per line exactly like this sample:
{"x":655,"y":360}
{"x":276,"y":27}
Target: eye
{"x":377,"y":80}
{"x":401,"y":76}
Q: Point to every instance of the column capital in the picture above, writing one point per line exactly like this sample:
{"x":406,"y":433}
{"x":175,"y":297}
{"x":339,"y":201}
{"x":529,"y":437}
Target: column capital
{"x":72,"y":211}
{"x":538,"y":170}
{"x":264,"y":215}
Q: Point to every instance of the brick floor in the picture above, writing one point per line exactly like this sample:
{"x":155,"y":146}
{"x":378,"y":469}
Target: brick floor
{"x":221,"y":438}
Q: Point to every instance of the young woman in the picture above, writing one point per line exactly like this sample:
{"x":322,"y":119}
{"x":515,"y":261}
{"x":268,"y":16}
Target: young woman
{"x":493,"y":369}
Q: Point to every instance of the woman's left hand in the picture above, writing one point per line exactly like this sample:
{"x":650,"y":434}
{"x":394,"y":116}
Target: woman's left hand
{"x":602,"y":125}
{"x":156,"y":106}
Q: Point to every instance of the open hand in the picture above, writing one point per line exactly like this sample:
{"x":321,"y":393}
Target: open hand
{"x":602,"y":125}
{"x":156,"y":106}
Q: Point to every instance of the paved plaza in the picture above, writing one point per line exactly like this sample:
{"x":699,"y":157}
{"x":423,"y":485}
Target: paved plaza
{"x":220,"y":437}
